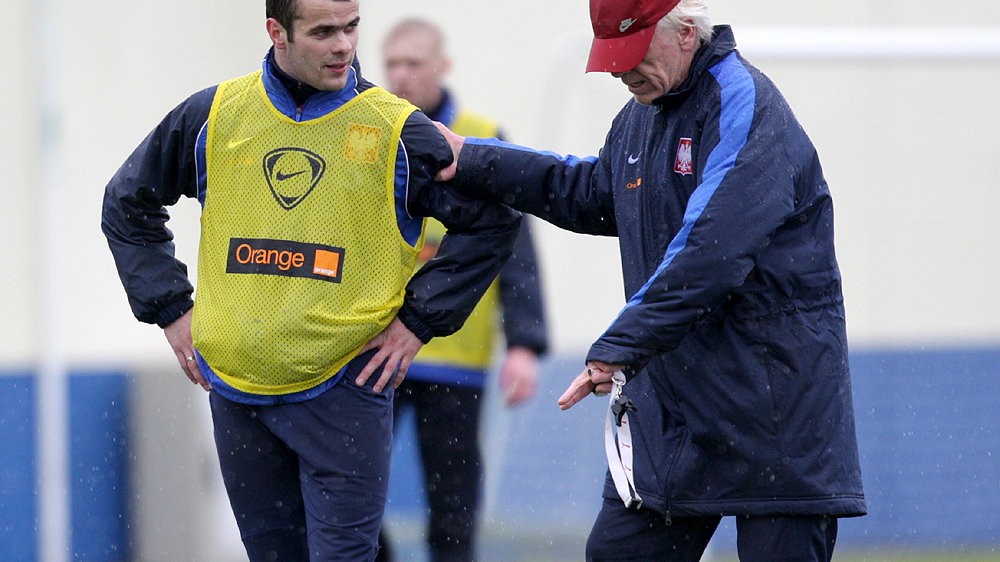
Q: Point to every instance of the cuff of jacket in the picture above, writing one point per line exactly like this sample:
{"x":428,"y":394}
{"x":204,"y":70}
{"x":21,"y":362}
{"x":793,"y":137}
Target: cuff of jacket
{"x":172,"y":312}
{"x":613,"y":356}
{"x":415,"y":324}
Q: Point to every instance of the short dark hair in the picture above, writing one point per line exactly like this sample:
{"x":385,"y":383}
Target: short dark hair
{"x":284,"y":11}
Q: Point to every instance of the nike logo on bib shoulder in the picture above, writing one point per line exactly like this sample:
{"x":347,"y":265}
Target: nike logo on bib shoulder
{"x":632,"y":159}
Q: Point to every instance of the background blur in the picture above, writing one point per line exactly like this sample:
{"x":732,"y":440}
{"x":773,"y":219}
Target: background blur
{"x":900,"y":98}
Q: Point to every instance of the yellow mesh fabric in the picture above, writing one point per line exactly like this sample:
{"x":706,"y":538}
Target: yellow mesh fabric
{"x":471,"y":346}
{"x":322,"y":192}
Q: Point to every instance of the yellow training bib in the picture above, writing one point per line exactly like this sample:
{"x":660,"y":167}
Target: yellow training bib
{"x":301,"y":259}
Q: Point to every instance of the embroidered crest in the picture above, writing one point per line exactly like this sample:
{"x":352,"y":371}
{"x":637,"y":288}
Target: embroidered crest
{"x":362,"y":143}
{"x":683,"y":163}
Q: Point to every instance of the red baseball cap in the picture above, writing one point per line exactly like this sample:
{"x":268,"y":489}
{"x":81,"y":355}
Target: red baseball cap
{"x":622,"y":32}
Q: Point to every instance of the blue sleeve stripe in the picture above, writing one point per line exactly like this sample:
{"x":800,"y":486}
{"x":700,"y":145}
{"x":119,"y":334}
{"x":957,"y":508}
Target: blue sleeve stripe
{"x":738,"y":96}
{"x":409,"y":227}
{"x":569,"y":160}
{"x":200,"y":162}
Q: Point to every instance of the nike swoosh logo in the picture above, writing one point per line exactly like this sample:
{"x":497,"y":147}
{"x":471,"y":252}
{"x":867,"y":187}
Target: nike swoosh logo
{"x":632,"y":159}
{"x":625,"y":24}
{"x":233,"y":144}
{"x":282,"y":177}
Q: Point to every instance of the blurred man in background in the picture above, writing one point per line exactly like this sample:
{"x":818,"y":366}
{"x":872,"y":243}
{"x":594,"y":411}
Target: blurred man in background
{"x":445,"y":384}
{"x":314,"y":185}
{"x":728,"y":365}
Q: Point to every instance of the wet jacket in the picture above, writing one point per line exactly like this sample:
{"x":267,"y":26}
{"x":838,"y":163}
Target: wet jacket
{"x":169,"y":164}
{"x":734,"y":331}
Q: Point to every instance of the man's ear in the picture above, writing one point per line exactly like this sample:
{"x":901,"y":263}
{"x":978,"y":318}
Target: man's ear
{"x":688,"y":36}
{"x":277,"y":34}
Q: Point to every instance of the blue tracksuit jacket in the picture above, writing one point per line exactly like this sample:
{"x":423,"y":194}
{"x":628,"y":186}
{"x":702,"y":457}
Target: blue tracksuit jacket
{"x":734,"y":330}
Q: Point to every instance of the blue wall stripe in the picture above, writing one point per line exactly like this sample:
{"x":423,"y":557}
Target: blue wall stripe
{"x":98,"y":456}
{"x":926,"y":421}
{"x":18,"y":514}
{"x":98,"y":466}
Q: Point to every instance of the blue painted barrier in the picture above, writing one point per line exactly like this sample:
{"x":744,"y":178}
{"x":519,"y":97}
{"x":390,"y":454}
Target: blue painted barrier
{"x":98,"y":466}
{"x":928,"y":429}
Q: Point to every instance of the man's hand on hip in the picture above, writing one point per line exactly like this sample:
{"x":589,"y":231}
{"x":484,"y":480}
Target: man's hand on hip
{"x":397,"y":346}
{"x":178,"y":335}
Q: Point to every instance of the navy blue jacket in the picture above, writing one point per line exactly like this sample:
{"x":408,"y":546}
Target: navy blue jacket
{"x":734,"y":330}
{"x":169,"y":164}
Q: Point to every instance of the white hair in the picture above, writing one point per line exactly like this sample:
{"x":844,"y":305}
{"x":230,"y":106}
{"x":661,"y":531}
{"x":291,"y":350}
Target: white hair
{"x":689,"y":13}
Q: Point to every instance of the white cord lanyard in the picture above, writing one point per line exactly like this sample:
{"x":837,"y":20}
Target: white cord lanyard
{"x":620,"y":456}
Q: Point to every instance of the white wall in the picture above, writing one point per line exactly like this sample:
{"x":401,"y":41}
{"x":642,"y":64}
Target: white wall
{"x":908,"y":148}
{"x":18,"y":137}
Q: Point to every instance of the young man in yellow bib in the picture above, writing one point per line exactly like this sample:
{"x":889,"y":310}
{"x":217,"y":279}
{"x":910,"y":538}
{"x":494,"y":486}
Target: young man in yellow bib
{"x":314,"y":186}
{"x":445,"y":384}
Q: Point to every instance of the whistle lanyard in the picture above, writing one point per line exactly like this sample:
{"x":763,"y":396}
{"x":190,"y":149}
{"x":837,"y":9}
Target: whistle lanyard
{"x":620,"y":454}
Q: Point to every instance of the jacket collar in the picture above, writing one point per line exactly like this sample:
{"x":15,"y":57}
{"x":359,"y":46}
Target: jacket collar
{"x":301,"y":101}
{"x":723,"y":42}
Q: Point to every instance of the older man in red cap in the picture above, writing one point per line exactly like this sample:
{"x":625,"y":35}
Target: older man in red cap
{"x":727,"y":366}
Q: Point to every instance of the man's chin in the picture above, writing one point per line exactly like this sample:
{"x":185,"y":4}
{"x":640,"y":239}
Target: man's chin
{"x":334,"y":85}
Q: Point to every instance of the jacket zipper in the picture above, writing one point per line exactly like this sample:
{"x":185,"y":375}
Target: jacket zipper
{"x":667,"y":518}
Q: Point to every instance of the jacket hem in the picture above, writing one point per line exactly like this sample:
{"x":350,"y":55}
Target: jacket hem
{"x":845,"y":505}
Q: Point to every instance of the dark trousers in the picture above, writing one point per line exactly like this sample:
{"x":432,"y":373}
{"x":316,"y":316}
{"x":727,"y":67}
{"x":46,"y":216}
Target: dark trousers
{"x":447,"y":418}
{"x":620,"y":534}
{"x":308,"y":480}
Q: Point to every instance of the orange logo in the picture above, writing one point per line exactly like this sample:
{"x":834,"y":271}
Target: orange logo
{"x":282,"y":259}
{"x":287,"y":258}
{"x":635,"y":185}
{"x":327,"y":263}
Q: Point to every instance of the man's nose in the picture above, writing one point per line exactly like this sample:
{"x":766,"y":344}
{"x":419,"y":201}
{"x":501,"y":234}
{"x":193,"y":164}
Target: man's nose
{"x":342,"y":43}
